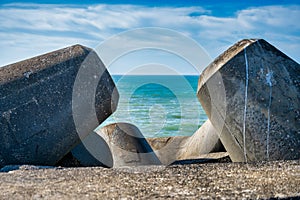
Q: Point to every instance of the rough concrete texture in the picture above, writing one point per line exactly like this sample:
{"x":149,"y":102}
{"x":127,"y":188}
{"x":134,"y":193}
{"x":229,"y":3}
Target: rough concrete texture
{"x":197,"y":181}
{"x":217,"y":157}
{"x":37,"y":108}
{"x":167,"y":148}
{"x":204,"y":140}
{"x":115,"y":145}
{"x":251,"y":94}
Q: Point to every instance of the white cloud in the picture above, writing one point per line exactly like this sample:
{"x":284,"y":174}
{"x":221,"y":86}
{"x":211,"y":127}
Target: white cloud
{"x":276,"y":24}
{"x":19,"y":46}
{"x":30,"y":29}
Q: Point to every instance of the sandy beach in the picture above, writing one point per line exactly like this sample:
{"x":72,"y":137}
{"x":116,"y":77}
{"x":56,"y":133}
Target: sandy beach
{"x":200,"y":181}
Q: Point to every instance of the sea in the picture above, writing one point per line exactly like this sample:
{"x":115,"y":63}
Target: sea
{"x":159,"y":105}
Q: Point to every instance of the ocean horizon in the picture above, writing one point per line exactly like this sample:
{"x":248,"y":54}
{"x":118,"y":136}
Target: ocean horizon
{"x":159,"y":105}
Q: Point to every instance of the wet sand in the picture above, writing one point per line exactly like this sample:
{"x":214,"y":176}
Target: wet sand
{"x":202,"y":180}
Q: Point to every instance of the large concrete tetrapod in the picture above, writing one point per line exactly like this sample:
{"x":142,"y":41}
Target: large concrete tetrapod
{"x":115,"y":145}
{"x":45,"y":109}
{"x":169,"y":149}
{"x":251,"y":94}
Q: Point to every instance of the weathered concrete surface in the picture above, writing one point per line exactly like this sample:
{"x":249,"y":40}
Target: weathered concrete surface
{"x":198,"y":181}
{"x":37,"y":108}
{"x":205,"y":140}
{"x":115,"y":145}
{"x":169,"y":149}
{"x":217,"y":157}
{"x":251,"y":94}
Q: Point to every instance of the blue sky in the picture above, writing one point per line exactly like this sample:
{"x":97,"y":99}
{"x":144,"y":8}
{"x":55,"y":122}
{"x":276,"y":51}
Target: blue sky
{"x":30,"y":28}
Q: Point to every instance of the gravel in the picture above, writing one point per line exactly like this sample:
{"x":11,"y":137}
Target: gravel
{"x":280,"y":179}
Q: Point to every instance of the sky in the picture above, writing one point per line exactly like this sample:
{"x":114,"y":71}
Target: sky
{"x":31,"y":28}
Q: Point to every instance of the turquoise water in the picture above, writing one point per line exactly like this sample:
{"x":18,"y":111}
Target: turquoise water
{"x":159,"y":106}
